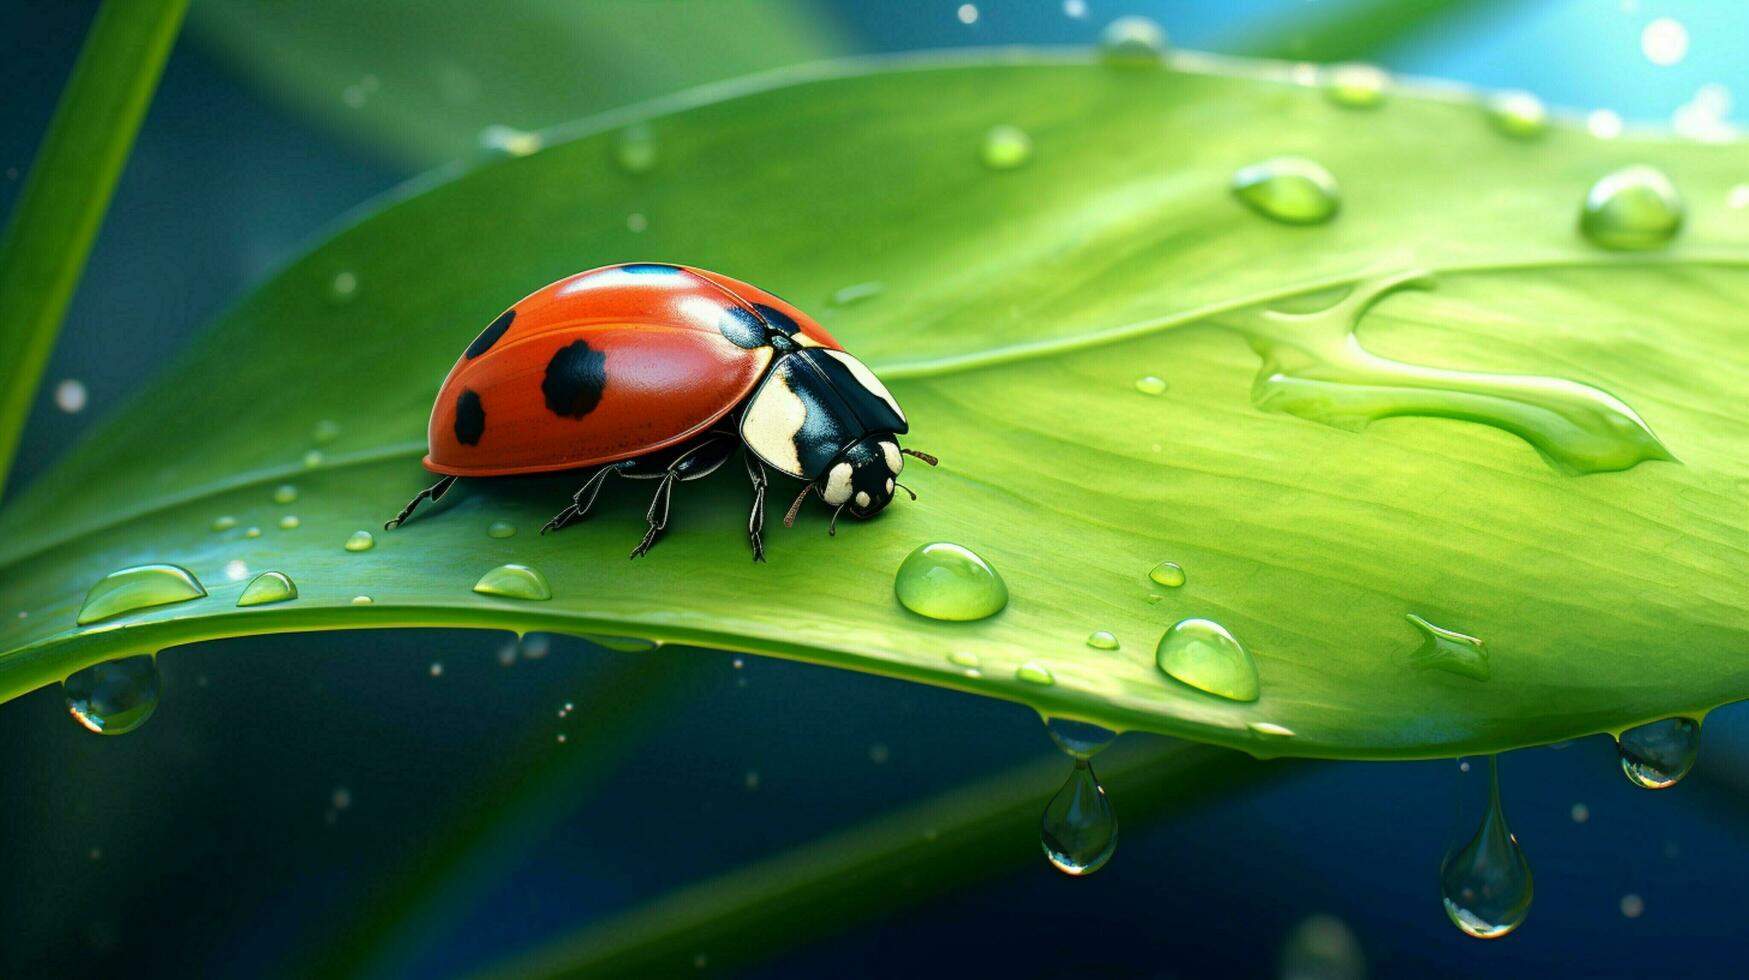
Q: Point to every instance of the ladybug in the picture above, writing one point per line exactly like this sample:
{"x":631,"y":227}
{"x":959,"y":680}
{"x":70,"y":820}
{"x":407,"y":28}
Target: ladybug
{"x":661,"y":372}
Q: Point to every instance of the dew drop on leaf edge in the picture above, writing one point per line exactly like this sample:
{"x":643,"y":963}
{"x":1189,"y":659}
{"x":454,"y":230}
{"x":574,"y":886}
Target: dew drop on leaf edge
{"x":1006,"y":147}
{"x":1518,"y":114}
{"x":1102,"y":640}
{"x":1356,"y":85}
{"x":1632,"y":209}
{"x":1079,"y":739}
{"x":500,"y":529}
{"x":138,"y":587}
{"x":1658,"y":754}
{"x":949,"y":582}
{"x":1132,"y":42}
{"x":1291,"y":190}
{"x":1202,"y":654}
{"x":1168,"y":573}
{"x":360,"y":541}
{"x":115,"y":696}
{"x":268,"y":588}
{"x":513,"y":581}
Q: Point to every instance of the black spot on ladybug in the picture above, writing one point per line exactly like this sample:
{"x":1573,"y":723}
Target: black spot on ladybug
{"x":575,"y":377}
{"x":743,"y":329}
{"x":649,"y":268}
{"x":778,"y":319}
{"x":490,"y":335}
{"x":470,"y":417}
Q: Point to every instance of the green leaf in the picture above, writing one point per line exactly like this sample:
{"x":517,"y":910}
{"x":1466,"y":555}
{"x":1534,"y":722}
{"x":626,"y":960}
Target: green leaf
{"x":1414,"y":468}
{"x":422,"y":81}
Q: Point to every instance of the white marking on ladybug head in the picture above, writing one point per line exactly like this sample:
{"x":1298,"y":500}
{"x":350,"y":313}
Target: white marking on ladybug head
{"x":837,"y":485}
{"x":862,"y":499}
{"x":895,"y":462}
{"x":889,"y":486}
{"x":773,"y":420}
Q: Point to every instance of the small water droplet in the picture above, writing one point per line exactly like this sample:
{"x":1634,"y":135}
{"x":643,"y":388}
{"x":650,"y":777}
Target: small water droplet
{"x":1632,"y":906}
{"x":1270,"y":728}
{"x":1034,"y":673}
{"x":1632,"y":209}
{"x":343,"y":286}
{"x":1519,"y":114}
{"x":1006,"y":147}
{"x":224,"y":522}
{"x":949,"y":582}
{"x":115,"y":696}
{"x":856,"y":293}
{"x":1580,"y":813}
{"x":1448,"y":650}
{"x":635,"y":149}
{"x":966,"y":660}
{"x":360,"y":541}
{"x":1080,"y":739}
{"x":312,"y":459}
{"x":1657,"y":755}
{"x":285,"y":493}
{"x":1102,"y":640}
{"x":637,"y":221}
{"x":252,"y":532}
{"x":509,"y":140}
{"x":1357,"y":86}
{"x":1150,"y":385}
{"x":1132,"y":42}
{"x":70,"y":396}
{"x":268,"y":588}
{"x":361,"y":600}
{"x":1079,"y":828}
{"x":514,"y":582}
{"x":436,"y":670}
{"x":1486,"y":885}
{"x":500,"y":529}
{"x":289,"y":522}
{"x":138,"y":587}
{"x":1293,"y":190}
{"x":1201,"y":653}
{"x":326,"y":430}
{"x":1167,"y":573}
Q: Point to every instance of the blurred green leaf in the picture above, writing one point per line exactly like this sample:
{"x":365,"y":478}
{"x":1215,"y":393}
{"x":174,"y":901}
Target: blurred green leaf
{"x":1017,"y":311}
{"x":420,"y":81}
{"x":1354,"y":29}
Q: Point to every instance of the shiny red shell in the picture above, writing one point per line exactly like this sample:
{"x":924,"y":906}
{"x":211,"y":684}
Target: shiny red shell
{"x":606,"y":365}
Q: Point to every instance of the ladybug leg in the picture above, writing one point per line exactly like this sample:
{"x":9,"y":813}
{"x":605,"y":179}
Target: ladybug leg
{"x":582,"y":500}
{"x":658,"y":513}
{"x":697,"y":460}
{"x":432,"y":493}
{"x":756,"y":520}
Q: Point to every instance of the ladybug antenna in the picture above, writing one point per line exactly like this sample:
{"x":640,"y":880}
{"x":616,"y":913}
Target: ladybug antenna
{"x":789,"y":519}
{"x":931,"y":460}
{"x":907,"y":489}
{"x":832,"y":528}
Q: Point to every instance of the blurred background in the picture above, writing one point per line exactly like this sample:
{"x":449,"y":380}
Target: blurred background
{"x":403,"y":804}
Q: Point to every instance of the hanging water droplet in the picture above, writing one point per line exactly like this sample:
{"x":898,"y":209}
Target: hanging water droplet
{"x":1150,"y":385}
{"x":1518,"y":113}
{"x":500,"y":529}
{"x":138,"y":587}
{"x":1080,"y":739}
{"x":1449,"y":650}
{"x":1035,"y":673}
{"x":1102,"y":640}
{"x":1357,"y":86}
{"x":1079,"y":828}
{"x":1632,"y":209}
{"x":856,"y":293}
{"x":635,"y":149}
{"x":514,"y":582}
{"x":285,"y":493}
{"x":1201,"y":653}
{"x":360,"y":541}
{"x":1006,"y":147}
{"x":1132,"y":42}
{"x":115,"y":696}
{"x":1486,"y":884}
{"x":1167,"y":573}
{"x":1657,"y":755}
{"x":289,"y":522}
{"x":268,"y":588}
{"x":224,"y":522}
{"x":1293,"y":190}
{"x":326,"y":430}
{"x":946,"y":581}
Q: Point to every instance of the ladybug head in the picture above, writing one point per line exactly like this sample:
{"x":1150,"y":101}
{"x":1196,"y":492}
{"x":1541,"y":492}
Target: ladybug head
{"x":861,"y":479}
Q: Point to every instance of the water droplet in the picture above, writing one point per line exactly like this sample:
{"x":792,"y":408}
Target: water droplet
{"x":946,"y":581}
{"x":500,"y":529}
{"x":635,"y":149}
{"x":289,"y":522}
{"x":637,"y":222}
{"x":1079,"y":827}
{"x":1580,"y":813}
{"x":1081,"y":739}
{"x":236,"y":570}
{"x":1006,"y":147}
{"x":361,"y":600}
{"x":1486,"y":884}
{"x":224,"y":522}
{"x":1150,"y":385}
{"x":1201,"y":653}
{"x":138,"y":587}
{"x":252,"y":532}
{"x":436,"y":670}
{"x":1167,"y":573}
{"x":509,"y":140}
{"x":1448,"y":650}
{"x":1357,"y":86}
{"x":70,"y":396}
{"x":1132,"y":42}
{"x":342,"y":286}
{"x":967,"y":13}
{"x":1102,"y":640}
{"x":312,"y":459}
{"x":360,"y":541}
{"x":514,"y":582}
{"x":1632,"y":209}
{"x":1632,"y":906}
{"x":965,"y":659}
{"x":857,"y":292}
{"x":1322,"y":947}
{"x":1270,"y":728}
{"x":268,"y":588}
{"x":1659,"y":754}
{"x":1664,"y":41}
{"x":1293,"y":190}
{"x":115,"y":696}
{"x":326,"y":430}
{"x":285,"y":493}
{"x":1518,"y":113}
{"x":1034,"y":673}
